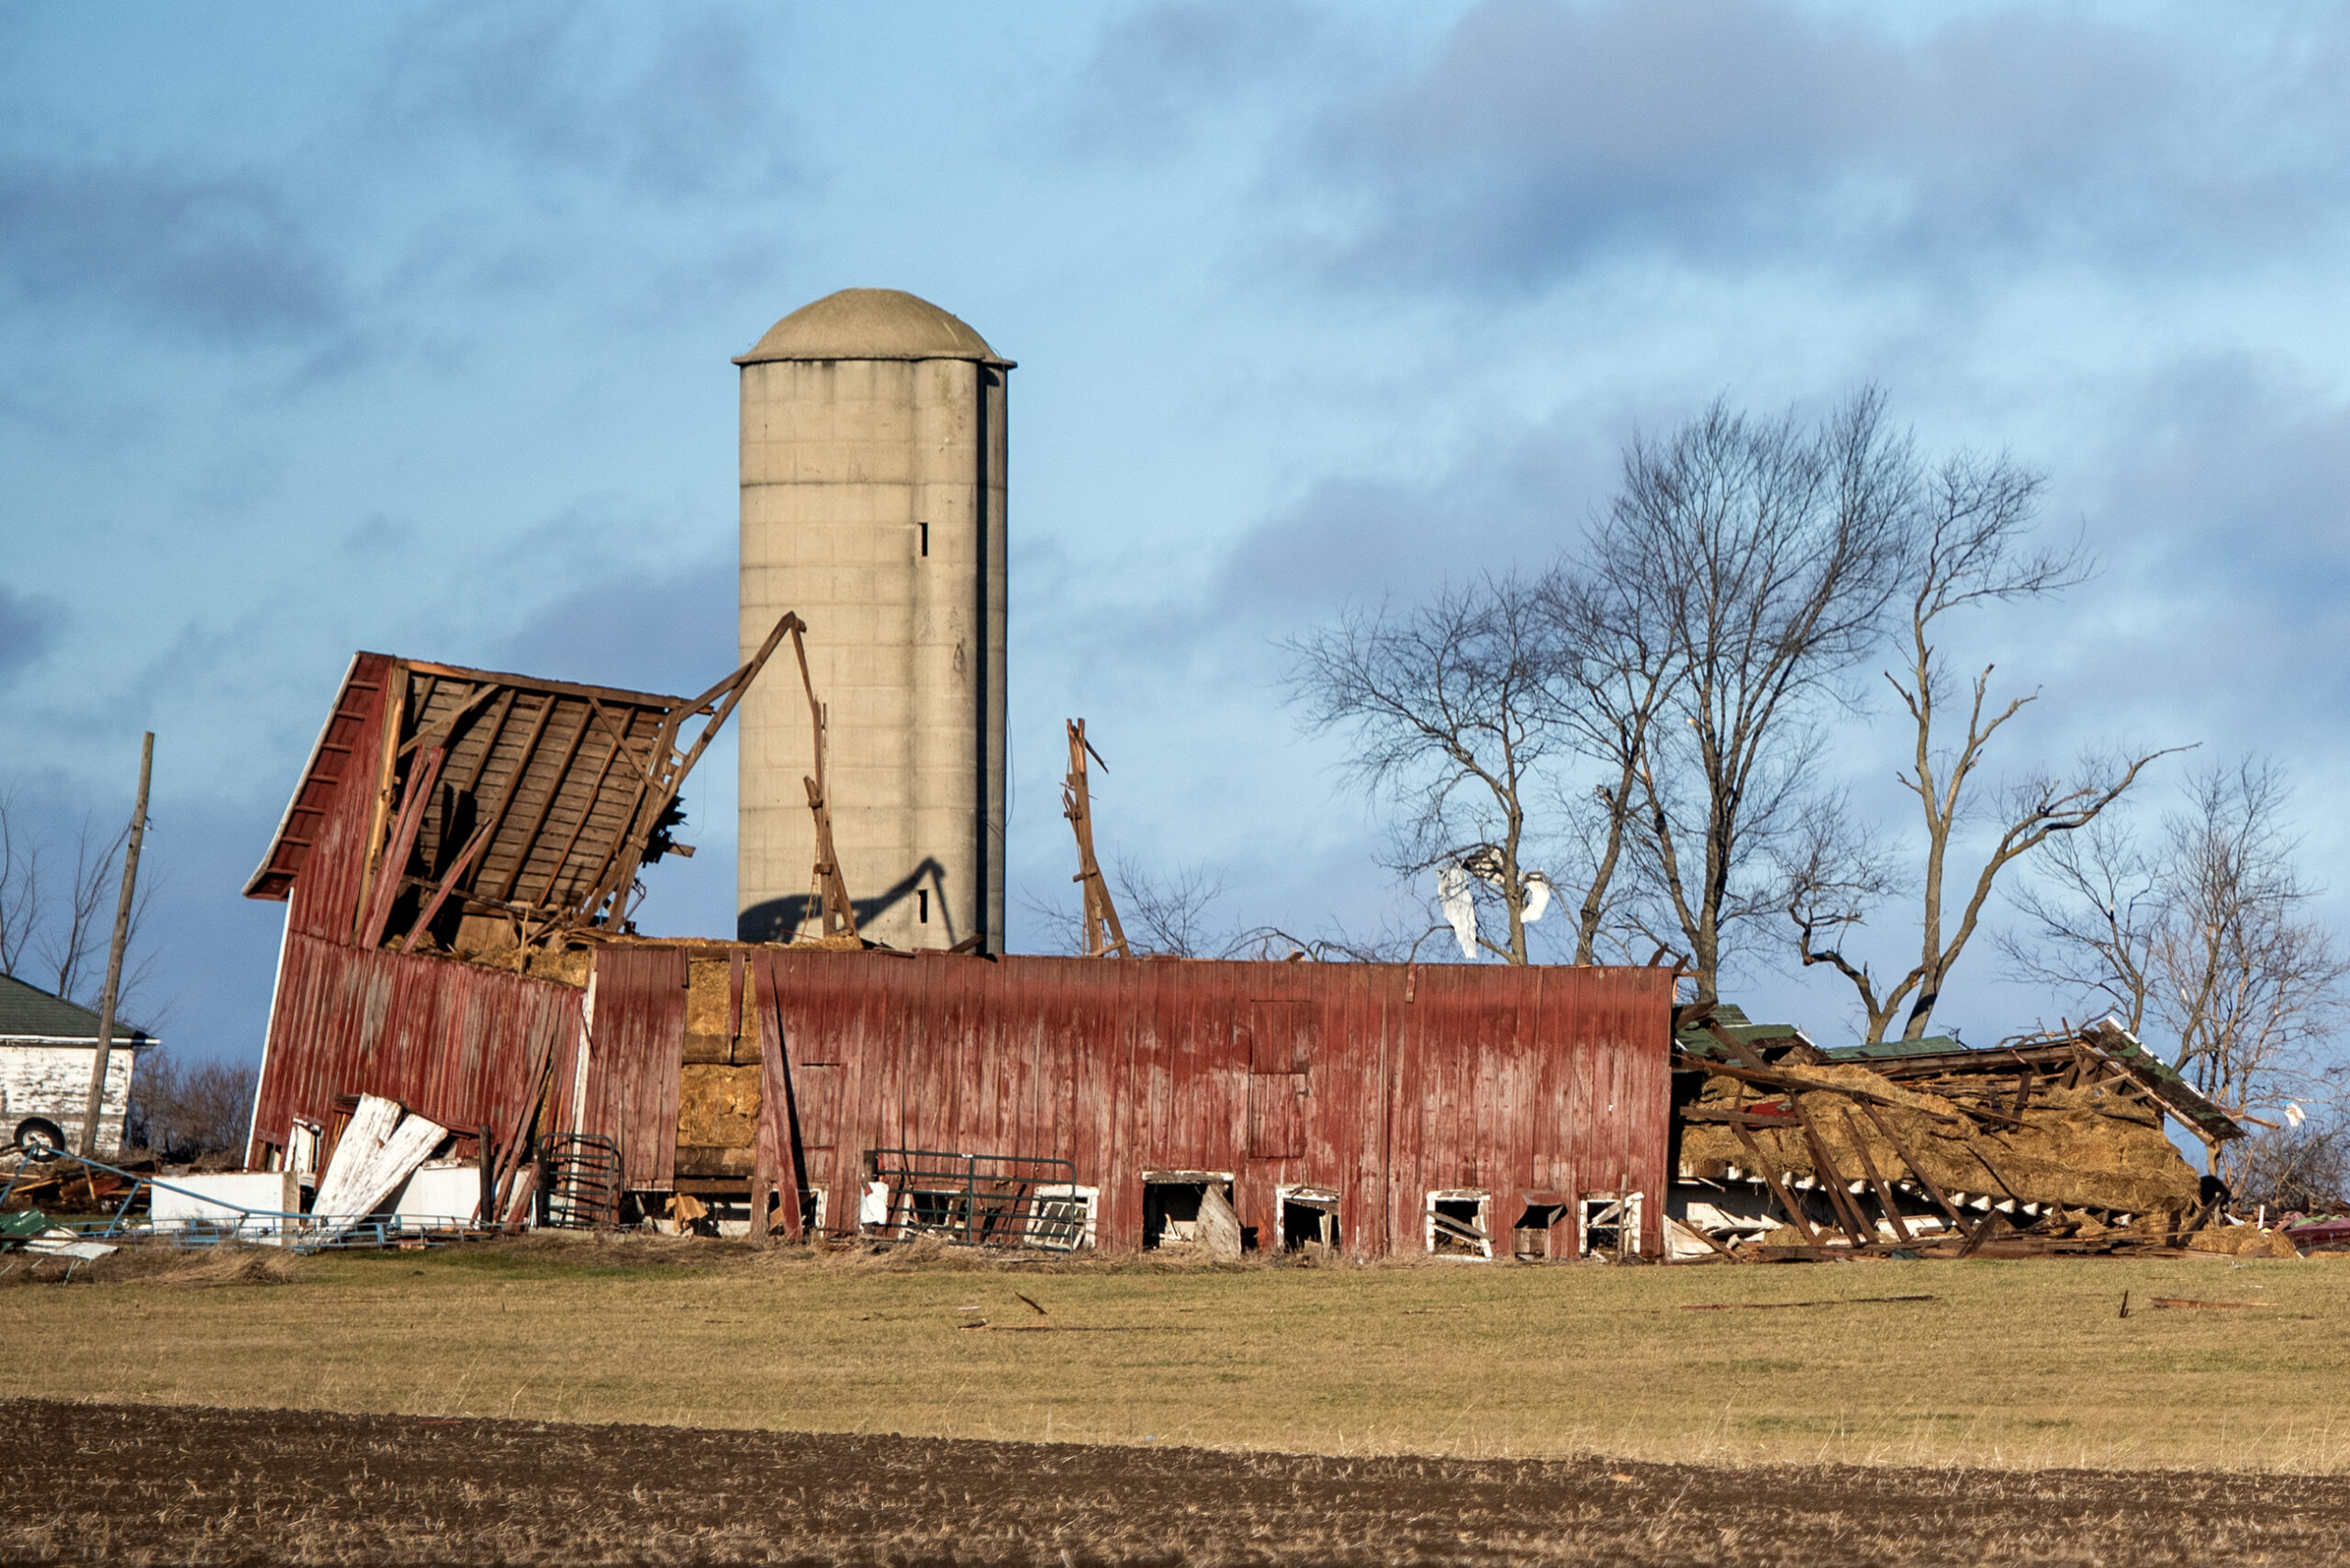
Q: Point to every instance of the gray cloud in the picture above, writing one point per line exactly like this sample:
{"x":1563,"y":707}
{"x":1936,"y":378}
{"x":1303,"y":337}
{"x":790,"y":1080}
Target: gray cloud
{"x":1160,"y":74}
{"x":29,"y":626}
{"x":691,"y":110}
{"x":219,"y":256}
{"x":1545,"y":135}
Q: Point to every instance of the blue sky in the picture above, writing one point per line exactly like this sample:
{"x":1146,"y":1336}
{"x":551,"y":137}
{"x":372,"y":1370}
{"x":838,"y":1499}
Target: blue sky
{"x":408,"y":328}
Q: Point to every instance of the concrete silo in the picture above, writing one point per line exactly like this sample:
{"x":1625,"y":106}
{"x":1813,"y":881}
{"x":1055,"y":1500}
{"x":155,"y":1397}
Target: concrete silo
{"x":873,"y":504}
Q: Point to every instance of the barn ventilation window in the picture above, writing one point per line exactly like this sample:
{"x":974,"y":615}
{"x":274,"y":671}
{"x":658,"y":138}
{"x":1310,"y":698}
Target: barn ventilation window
{"x":1309,"y":1219}
{"x":1189,"y":1211}
{"x":1460,"y":1223}
{"x":1064,"y":1217}
{"x":1537,"y":1235}
{"x":1607,"y":1224}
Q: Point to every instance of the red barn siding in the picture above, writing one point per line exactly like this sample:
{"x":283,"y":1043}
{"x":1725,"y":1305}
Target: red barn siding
{"x":450,"y":1041}
{"x":635,"y":1058}
{"x":1508,"y":1081}
{"x":324,"y":901}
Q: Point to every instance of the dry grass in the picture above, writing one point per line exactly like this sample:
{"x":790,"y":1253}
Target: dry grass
{"x":2014,"y":1365}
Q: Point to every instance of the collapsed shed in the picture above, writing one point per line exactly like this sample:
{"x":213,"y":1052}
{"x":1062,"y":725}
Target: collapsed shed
{"x":457,"y":863}
{"x":2054,"y":1143}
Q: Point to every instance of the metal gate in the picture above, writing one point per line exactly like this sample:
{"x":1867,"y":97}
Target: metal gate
{"x":580,"y":1182}
{"x":980,"y":1200}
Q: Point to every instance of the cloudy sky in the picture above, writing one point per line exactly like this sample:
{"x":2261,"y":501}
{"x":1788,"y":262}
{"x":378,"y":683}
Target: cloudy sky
{"x":408,"y":328}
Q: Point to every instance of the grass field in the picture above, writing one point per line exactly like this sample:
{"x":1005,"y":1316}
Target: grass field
{"x":2011,"y":1365}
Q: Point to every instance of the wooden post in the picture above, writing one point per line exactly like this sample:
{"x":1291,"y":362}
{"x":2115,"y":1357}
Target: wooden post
{"x":1103,"y":935}
{"x":830,"y":889}
{"x":113,"y":953}
{"x":486,"y":1211}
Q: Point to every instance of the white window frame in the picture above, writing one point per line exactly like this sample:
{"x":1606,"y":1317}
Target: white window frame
{"x":1484,"y":1201}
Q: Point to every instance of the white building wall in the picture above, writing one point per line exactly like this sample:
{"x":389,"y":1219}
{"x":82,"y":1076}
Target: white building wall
{"x":51,"y":1080}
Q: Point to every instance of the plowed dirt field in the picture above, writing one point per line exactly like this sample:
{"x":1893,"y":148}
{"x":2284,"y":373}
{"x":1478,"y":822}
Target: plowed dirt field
{"x":151,"y":1484}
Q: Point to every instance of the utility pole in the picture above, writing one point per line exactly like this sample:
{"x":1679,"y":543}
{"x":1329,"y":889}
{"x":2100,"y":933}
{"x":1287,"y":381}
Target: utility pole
{"x":114,"y":954}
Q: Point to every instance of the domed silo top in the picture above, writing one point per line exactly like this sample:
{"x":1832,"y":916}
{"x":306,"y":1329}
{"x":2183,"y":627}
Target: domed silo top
{"x":872,"y":323}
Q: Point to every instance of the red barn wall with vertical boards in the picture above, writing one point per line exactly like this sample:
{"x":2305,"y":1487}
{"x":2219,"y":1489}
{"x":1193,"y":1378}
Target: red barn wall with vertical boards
{"x":1383,"y":1082}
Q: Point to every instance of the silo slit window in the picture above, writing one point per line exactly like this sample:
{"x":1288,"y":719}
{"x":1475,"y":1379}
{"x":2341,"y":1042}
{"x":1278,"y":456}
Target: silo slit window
{"x":922,"y":905}
{"x":925,"y":538}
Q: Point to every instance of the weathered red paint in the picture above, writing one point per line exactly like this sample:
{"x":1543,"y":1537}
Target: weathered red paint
{"x":450,"y":1041}
{"x":637,"y":1046}
{"x":1508,"y":1081}
{"x":1384,"y":1082}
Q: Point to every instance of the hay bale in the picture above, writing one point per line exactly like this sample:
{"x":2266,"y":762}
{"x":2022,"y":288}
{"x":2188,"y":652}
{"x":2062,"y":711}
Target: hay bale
{"x":718,"y":1106}
{"x":705,"y":992}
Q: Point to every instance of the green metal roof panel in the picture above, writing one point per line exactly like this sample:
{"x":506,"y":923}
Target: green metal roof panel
{"x":26,"y":1011}
{"x":1880,"y":1050}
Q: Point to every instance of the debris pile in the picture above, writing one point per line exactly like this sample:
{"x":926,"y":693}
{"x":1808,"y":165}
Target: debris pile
{"x":2051,"y":1144}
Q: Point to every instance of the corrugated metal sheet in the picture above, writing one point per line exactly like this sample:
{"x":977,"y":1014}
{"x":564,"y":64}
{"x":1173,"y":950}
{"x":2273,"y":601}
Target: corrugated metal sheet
{"x":451,"y":1041}
{"x":333,"y":810}
{"x":1506,"y":1081}
{"x":634,"y":1059}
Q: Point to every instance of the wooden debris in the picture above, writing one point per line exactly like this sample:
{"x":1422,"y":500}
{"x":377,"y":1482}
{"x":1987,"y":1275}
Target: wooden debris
{"x":2178,"y":1302}
{"x":1783,"y":1305}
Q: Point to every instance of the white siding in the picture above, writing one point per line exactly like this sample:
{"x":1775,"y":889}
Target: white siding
{"x":52,"y":1079}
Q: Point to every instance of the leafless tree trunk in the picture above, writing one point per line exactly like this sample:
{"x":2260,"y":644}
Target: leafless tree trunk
{"x":1456,"y":708}
{"x":1968,"y":548}
{"x":1620,"y":672}
{"x":1764,"y":553}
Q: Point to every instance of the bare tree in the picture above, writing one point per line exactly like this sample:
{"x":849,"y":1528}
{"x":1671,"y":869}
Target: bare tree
{"x":184,"y":1115}
{"x":1764,"y":554}
{"x":2207,"y":939}
{"x":1456,"y":708}
{"x":20,"y":891}
{"x":1969,"y":547}
{"x":2247,"y":980}
{"x":2090,"y":912}
{"x":1170,"y":914}
{"x":1620,"y":671}
{"x":73,"y":933}
{"x":2305,"y":1168}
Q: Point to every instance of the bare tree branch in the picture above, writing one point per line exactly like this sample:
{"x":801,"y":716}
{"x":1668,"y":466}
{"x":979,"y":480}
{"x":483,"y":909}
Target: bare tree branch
{"x":1764,"y":553}
{"x":2206,"y":938}
{"x":1454,"y":707}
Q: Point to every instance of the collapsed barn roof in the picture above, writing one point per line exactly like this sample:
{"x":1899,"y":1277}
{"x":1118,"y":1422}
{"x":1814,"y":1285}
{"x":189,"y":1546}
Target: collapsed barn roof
{"x":490,"y":793}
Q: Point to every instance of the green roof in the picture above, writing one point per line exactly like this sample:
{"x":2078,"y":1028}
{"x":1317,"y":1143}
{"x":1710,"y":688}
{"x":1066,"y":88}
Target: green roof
{"x":26,"y":1011}
{"x":1732,"y":1021}
{"x":1932,"y":1045}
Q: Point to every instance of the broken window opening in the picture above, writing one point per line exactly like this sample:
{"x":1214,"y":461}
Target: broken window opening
{"x":1460,"y":1224}
{"x":1309,"y":1220}
{"x":1190,"y":1210}
{"x":1607,"y":1224}
{"x":1064,"y":1217}
{"x":1534,"y":1238}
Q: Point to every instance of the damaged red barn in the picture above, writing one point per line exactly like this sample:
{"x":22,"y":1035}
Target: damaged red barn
{"x":455,"y":864}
